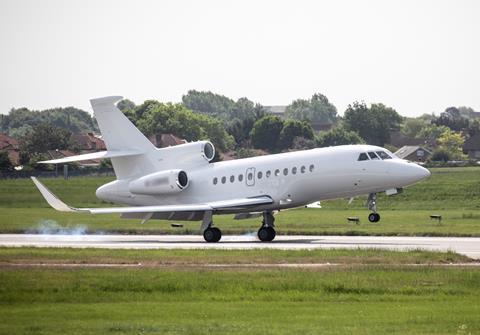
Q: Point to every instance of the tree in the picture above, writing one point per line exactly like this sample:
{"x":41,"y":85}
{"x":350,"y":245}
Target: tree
{"x":338,"y":136}
{"x":126,"y":105}
{"x":412,"y":127}
{"x":317,"y":109}
{"x":238,"y":116}
{"x":432,"y":132}
{"x":451,"y":143}
{"x":440,"y":155}
{"x":208,"y":103}
{"x":452,"y":119}
{"x":159,"y":118}
{"x":5,"y":163}
{"x":292,"y":129}
{"x":374,"y":124}
{"x":18,"y":121}
{"x":266,"y":133}
{"x":45,"y":137}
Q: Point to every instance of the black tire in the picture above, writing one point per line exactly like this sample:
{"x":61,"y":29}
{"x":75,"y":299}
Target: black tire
{"x":372,"y":217}
{"x":212,"y":234}
{"x":218,"y":234}
{"x":377,"y":217}
{"x":266,"y":234}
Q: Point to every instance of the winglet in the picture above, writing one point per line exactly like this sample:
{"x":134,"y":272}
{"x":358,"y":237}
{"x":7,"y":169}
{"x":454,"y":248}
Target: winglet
{"x":52,"y":198}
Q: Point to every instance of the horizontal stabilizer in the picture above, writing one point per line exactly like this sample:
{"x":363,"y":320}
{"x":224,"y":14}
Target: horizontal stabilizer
{"x":209,"y":206}
{"x":94,"y":155}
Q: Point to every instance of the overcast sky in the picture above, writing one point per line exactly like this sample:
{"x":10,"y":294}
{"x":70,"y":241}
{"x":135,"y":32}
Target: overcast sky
{"x":416,"y":56}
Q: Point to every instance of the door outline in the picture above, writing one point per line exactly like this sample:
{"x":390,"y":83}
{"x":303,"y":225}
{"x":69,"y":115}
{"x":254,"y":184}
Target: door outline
{"x":250,"y":182}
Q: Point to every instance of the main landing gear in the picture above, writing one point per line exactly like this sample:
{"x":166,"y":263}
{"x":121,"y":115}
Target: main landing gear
{"x":372,"y":205}
{"x":267,"y":233}
{"x":210,"y":233}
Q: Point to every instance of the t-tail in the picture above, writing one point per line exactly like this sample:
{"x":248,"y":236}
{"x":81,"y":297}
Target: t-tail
{"x":131,"y":153}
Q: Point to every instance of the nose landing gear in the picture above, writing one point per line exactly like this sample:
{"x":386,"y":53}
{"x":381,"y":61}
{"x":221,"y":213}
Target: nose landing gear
{"x":372,"y":205}
{"x":374,"y":217}
{"x":267,"y":233}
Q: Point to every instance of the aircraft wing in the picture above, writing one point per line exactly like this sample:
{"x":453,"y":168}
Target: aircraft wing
{"x":230,"y":204}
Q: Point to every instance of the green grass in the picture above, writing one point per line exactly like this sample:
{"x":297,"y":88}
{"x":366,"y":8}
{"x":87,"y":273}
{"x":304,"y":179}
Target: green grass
{"x":372,"y":299}
{"x":453,"y":193}
{"x":217,"y":256}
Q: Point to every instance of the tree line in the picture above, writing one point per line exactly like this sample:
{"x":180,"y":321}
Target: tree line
{"x":243,"y":125}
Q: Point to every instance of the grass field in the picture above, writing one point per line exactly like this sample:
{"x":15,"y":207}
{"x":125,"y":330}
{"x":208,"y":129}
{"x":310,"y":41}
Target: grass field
{"x":453,"y":193}
{"x":373,"y":292}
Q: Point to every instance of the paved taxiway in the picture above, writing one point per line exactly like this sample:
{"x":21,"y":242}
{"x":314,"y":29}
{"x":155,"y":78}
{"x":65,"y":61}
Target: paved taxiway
{"x":466,"y":246}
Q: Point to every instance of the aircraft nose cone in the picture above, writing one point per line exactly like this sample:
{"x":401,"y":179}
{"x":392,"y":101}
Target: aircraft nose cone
{"x":420,"y":172}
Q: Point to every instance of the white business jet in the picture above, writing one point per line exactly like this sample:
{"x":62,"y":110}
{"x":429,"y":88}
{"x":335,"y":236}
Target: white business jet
{"x":181,"y":183}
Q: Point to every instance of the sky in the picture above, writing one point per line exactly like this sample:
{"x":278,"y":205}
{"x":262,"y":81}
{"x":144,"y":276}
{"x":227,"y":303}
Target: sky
{"x":416,"y":56}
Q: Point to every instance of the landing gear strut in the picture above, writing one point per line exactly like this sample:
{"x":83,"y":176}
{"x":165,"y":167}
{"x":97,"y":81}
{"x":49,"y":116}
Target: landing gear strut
{"x":210,"y":233}
{"x":267,"y":233}
{"x":372,"y":205}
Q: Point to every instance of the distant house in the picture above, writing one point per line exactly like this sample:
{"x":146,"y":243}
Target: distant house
{"x":398,"y":140}
{"x":10,"y":145}
{"x":471,"y":147}
{"x":276,"y":110}
{"x":413,"y":153}
{"x":166,"y":140}
{"x":89,"y":142}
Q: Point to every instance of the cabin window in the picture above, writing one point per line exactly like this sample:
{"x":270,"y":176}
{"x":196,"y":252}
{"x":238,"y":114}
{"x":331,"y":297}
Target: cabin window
{"x":277,"y":172}
{"x":285,"y":171}
{"x":373,"y":155}
{"x":232,"y":179}
{"x":215,"y":181}
{"x":311,"y":168}
{"x":268,"y":173}
{"x":250,"y":176}
{"x":383,"y":155}
{"x":302,"y":169}
{"x":224,"y":179}
{"x":363,"y":157}
{"x":259,"y":174}
{"x":240,"y":177}
{"x":294,"y":170}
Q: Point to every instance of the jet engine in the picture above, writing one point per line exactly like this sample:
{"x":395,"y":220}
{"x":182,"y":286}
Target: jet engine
{"x":163,"y":182}
{"x":188,"y":154}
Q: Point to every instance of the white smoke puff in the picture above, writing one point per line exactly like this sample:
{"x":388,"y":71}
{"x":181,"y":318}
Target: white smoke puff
{"x":51,"y":227}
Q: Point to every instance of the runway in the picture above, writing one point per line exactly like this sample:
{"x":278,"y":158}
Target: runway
{"x":463,"y":245}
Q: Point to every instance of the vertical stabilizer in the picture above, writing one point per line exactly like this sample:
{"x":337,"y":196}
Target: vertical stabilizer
{"x":120,"y":134}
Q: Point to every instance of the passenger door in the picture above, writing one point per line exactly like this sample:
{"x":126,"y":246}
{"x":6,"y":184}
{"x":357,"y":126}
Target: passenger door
{"x":250,"y":177}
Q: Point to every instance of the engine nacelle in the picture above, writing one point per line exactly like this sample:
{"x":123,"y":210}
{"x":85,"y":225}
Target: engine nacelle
{"x":193,"y":153}
{"x":163,"y":182}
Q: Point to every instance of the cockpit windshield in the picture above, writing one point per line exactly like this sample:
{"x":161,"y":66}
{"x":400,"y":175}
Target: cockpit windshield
{"x":383,"y":155}
{"x":371,"y":155}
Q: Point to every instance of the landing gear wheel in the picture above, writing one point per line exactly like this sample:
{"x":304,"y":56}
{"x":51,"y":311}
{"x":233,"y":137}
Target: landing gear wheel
{"x":374,"y":217}
{"x":266,"y":234}
{"x":212,"y":234}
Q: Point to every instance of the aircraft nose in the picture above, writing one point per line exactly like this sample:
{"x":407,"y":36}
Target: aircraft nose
{"x":419,"y":172}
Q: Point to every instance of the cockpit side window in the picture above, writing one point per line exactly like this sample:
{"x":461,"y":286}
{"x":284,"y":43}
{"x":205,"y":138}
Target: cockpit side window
{"x":383,"y":155}
{"x":372,"y":155}
{"x":363,"y":157}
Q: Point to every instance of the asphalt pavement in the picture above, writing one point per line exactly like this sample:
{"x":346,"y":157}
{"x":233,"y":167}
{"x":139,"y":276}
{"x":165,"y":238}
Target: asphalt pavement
{"x":463,"y":245}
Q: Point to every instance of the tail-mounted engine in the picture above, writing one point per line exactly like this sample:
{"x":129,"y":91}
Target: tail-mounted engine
{"x":188,"y":154}
{"x":163,"y":182}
